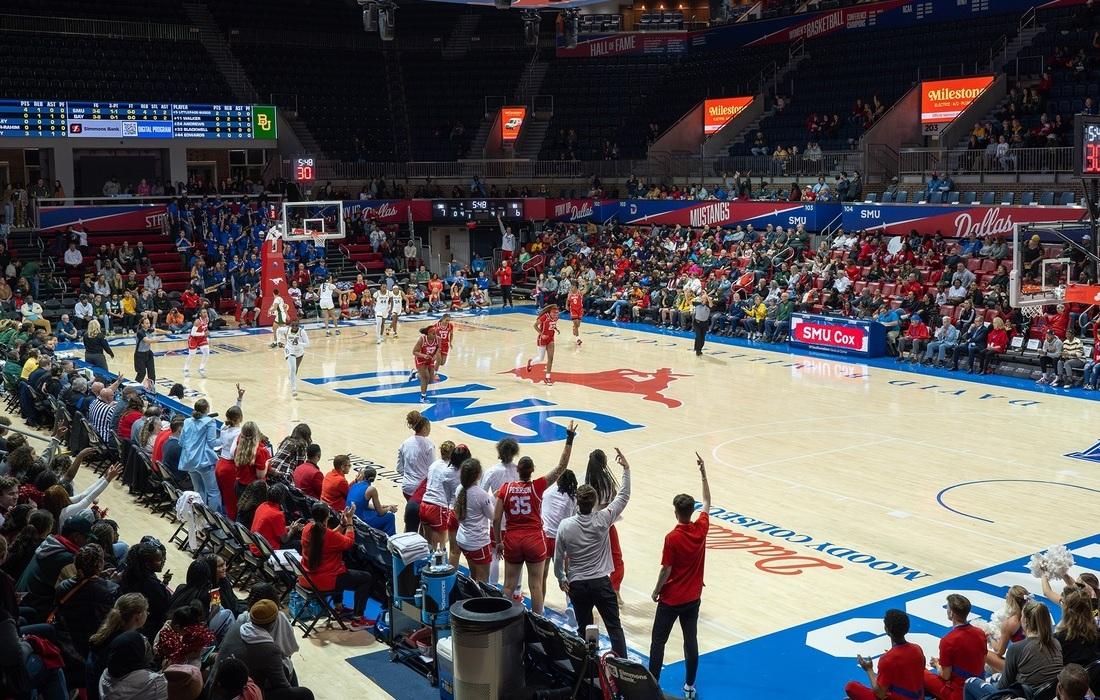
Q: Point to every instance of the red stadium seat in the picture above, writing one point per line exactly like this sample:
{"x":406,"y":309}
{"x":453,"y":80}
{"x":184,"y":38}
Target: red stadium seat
{"x":889,"y":289}
{"x":859,"y":286}
{"x":989,"y":265}
{"x":974,"y":264}
{"x":935,"y":276}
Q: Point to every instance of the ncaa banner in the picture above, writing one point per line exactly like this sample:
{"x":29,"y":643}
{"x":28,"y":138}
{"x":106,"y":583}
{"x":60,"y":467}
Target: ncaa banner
{"x":813,"y":217}
{"x":951,"y":221}
{"x":103,"y":219}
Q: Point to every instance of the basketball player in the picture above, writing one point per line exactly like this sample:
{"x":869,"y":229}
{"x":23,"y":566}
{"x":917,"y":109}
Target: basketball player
{"x":382,"y":304}
{"x":198,"y":342}
{"x":523,"y":541}
{"x":474,"y":512}
{"x":397,"y":304}
{"x":295,"y":349}
{"x":328,"y":306}
{"x":446,"y":332}
{"x":575,"y":302}
{"x":437,"y":504}
{"x":280,"y":312}
{"x":546,"y":325}
{"x":426,"y":358}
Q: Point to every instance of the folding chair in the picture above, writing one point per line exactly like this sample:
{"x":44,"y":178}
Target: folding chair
{"x":279,"y":577}
{"x":633,"y":680}
{"x":179,"y":537}
{"x":214,"y":535}
{"x":310,"y":592}
{"x":252,"y":565}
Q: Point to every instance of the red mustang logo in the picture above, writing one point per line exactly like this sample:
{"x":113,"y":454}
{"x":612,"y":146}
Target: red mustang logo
{"x":649,"y":385}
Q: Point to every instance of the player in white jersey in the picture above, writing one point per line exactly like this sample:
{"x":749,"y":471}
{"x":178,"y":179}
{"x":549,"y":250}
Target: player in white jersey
{"x":474,"y":513}
{"x":504,"y":472}
{"x":558,"y":503}
{"x":397,"y":305}
{"x":328,"y":306}
{"x":383,"y":302}
{"x":280,"y":313}
{"x":295,"y":349}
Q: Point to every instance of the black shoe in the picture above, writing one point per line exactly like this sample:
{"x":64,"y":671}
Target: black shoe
{"x":698,"y":353}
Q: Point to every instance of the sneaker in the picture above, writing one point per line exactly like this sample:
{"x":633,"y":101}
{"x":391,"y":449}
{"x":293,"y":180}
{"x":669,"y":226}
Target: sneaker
{"x":274,"y":345}
{"x":1089,"y":387}
{"x":547,"y":380}
{"x":1054,"y":382}
{"x":186,"y":372}
{"x":294,"y":394}
{"x":378,"y":340}
{"x":337,"y":331}
{"x":528,"y":366}
{"x":360,"y":623}
{"x":202,"y":372}
{"x":578,"y":341}
{"x":689,"y":692}
{"x":1041,"y":380}
{"x":423,"y":398}
{"x":327,"y":334}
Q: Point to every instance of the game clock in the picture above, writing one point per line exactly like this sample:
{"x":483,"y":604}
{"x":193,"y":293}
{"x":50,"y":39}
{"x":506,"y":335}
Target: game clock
{"x":1088,"y":146}
{"x":466,"y":210}
{"x":305,"y":169}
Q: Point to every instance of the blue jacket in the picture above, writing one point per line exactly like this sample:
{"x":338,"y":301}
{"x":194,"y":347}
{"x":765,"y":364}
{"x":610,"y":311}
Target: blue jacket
{"x":198,"y":439}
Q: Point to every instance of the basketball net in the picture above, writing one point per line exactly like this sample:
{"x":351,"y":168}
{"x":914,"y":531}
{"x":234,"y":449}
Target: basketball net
{"x":1031,"y":311}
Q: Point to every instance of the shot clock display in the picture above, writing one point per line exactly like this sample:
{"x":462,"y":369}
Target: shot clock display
{"x":305,"y":169}
{"x":477,"y":209}
{"x":1088,"y":146}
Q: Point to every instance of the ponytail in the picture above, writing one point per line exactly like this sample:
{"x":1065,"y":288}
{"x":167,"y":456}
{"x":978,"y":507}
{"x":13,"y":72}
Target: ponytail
{"x":469,"y":475}
{"x":416,"y":421}
{"x":316,"y":545}
{"x":202,"y":407}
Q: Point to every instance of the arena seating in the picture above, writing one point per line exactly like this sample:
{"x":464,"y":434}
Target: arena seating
{"x":126,"y":10}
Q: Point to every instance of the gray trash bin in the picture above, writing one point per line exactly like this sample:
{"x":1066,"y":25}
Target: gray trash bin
{"x":487,"y":637}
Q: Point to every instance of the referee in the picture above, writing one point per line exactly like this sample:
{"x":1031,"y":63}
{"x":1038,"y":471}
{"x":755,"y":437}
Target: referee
{"x":701,"y":320}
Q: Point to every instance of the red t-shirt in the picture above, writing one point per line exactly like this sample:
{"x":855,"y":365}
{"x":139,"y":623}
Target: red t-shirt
{"x":334,"y":491}
{"x":504,"y":276}
{"x":247,"y":474}
{"x":963,"y":651}
{"x":332,"y":557}
{"x":270,"y":522}
{"x":685,"y":553}
{"x":901,"y":672}
{"x":126,"y":424}
{"x":158,"y":446}
{"x":523,"y":503}
{"x":308,"y":477}
{"x":548,"y":327}
{"x":435,"y":287}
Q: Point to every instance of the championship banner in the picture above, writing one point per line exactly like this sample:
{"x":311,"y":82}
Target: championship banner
{"x":103,"y":219}
{"x":718,"y":112}
{"x":942,"y":101}
{"x":951,"y":221}
{"x":511,"y":122}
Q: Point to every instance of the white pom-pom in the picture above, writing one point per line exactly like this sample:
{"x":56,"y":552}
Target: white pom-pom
{"x":1058,"y":561}
{"x":1036,"y":565}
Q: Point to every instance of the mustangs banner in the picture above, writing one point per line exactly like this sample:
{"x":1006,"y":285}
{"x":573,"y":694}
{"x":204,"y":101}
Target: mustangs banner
{"x":103,"y":219}
{"x":716,"y":213}
{"x":951,"y":221}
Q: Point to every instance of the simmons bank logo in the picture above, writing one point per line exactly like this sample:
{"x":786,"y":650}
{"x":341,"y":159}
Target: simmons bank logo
{"x":572,"y":211}
{"x":527,"y":420}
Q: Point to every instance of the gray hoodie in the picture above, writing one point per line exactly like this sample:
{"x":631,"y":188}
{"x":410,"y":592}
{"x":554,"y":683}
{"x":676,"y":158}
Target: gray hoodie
{"x":142,"y":684}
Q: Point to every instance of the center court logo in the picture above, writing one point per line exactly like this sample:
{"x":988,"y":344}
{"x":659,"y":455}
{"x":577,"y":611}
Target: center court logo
{"x":649,"y":385}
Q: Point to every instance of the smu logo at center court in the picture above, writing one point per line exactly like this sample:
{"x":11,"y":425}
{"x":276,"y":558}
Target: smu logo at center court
{"x":648,"y":385}
{"x":529,"y":420}
{"x":1092,"y":454}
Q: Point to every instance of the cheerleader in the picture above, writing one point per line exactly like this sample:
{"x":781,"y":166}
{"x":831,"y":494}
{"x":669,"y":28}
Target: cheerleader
{"x":382,"y":304}
{"x":546,"y":325}
{"x":575,"y":302}
{"x":280,"y":312}
{"x":478,"y":301}
{"x":198,"y":342}
{"x":474,"y":513}
{"x":295,"y":349}
{"x":456,"y":296}
{"x":426,"y":358}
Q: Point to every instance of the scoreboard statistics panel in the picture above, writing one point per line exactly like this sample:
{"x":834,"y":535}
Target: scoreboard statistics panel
{"x":135,"y":120}
{"x":477,"y":209}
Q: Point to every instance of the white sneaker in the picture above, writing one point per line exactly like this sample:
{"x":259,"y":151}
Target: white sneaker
{"x":1054,"y":382}
{"x":328,"y":333}
{"x":294,"y":394}
{"x":378,"y":340}
{"x":202,"y":372}
{"x":186,"y":372}
{"x":689,"y":692}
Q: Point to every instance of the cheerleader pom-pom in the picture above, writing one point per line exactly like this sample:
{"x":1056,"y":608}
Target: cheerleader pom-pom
{"x":1058,"y":561}
{"x":1037,"y":565}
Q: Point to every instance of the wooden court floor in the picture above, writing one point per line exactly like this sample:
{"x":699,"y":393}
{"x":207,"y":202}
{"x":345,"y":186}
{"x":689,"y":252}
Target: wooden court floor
{"x":835,"y":483}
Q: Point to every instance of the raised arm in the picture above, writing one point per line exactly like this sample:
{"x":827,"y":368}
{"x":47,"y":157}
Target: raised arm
{"x":706,"y":485}
{"x":563,"y":462}
{"x":618,"y":504}
{"x":70,"y":473}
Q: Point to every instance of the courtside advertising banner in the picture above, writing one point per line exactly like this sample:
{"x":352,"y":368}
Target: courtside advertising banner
{"x":838,"y":335}
{"x":718,"y":112}
{"x":942,"y":101}
{"x":511,"y":121}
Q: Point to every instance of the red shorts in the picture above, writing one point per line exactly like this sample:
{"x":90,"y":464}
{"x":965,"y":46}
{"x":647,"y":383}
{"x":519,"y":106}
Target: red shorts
{"x":549,"y":545}
{"x":481,"y":557}
{"x":544,"y":341}
{"x":195,"y":342}
{"x":438,"y":518}
{"x":524,"y":546}
{"x":426,"y":364}
{"x":444,"y":349}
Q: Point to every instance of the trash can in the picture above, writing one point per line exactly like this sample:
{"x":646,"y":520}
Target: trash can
{"x":487,"y":645}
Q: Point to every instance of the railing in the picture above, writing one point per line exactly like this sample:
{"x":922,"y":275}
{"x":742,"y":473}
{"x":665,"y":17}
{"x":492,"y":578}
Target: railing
{"x":484,"y":169}
{"x":918,"y":161}
{"x":792,"y":166}
{"x":97,"y":27}
{"x":245,"y":35}
{"x":1028,"y":65}
{"x":128,"y":200}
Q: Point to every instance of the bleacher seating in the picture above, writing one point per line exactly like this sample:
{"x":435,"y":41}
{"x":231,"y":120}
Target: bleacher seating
{"x":600,"y":23}
{"x":159,"y":11}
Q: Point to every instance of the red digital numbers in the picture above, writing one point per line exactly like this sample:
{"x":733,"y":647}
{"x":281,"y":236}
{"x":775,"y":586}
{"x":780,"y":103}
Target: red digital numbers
{"x":303,"y":170}
{"x":1091,"y":163}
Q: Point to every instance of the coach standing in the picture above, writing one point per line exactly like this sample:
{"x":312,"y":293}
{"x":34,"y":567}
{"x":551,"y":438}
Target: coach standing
{"x":701,"y":320}
{"x":583,"y":539}
{"x":679,"y":586}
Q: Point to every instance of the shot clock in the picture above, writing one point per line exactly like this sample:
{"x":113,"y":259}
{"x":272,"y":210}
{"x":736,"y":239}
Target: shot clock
{"x":1087,"y":160}
{"x":305,"y":169}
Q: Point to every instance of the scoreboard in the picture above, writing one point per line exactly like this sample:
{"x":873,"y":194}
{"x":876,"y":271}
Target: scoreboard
{"x":135,"y":120}
{"x":1087,"y":156}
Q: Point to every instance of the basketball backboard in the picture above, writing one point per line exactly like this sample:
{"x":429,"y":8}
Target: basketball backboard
{"x":315,"y":221}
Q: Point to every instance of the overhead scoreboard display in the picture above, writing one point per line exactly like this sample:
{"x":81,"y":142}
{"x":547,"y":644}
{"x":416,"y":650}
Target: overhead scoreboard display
{"x":477,"y":209}
{"x":135,"y":120}
{"x":1087,"y":156}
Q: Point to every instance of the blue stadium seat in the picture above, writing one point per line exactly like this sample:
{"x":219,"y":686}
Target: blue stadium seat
{"x":1046,"y":199}
{"x":989,"y":198}
{"x":1027,"y":198}
{"x":1008,"y":199}
{"x":902,"y":198}
{"x":970,"y":197}
{"x":1066,"y":199}
{"x":888,"y":197}
{"x":952,"y":197}
{"x":935,"y":198}
{"x":872,"y":197}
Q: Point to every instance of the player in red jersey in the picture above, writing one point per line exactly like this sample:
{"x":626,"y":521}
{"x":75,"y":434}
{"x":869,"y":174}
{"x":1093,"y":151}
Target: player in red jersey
{"x":524,"y":542}
{"x":575,"y":302}
{"x":198,"y":342}
{"x":445,"y":331}
{"x":426,"y":358}
{"x":546,"y":325}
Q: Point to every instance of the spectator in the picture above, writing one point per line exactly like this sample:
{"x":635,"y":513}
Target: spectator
{"x":900,"y":669}
{"x":995,"y":345}
{"x":144,"y":562}
{"x":961,"y":653}
{"x":73,"y":259}
{"x":307,"y":475}
{"x":31,"y":311}
{"x":1033,"y":661}
{"x":323,"y":558}
{"x":363,"y":495}
{"x":56,"y":552}
{"x":127,"y":615}
{"x":1049,"y":357}
{"x":944,"y":339}
{"x":65,"y":330}
{"x":1072,"y":358}
{"x":334,"y":488}
{"x":197,"y":440}
{"x":915,"y":339}
{"x":1076,"y":632}
{"x":127,"y":676}
{"x":973,"y":343}
{"x":269,"y":521}
{"x":1073,"y":683}
{"x":257,"y":647}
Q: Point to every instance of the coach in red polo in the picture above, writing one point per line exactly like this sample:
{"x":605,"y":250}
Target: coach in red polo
{"x":679,"y":586}
{"x":962,"y":653}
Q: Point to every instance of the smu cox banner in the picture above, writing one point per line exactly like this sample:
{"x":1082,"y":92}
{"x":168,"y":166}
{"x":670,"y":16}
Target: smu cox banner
{"x":838,"y":335}
{"x":718,"y":112}
{"x":115,"y":218}
{"x":951,"y":221}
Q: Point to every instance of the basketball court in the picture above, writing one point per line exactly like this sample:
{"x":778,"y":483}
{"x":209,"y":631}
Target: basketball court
{"x":836,"y":485}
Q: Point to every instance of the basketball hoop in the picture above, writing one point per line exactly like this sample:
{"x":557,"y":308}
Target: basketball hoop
{"x":1031,"y":311}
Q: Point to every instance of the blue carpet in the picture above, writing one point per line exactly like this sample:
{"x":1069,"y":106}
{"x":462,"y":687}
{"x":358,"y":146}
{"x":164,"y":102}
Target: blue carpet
{"x":397,"y":679}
